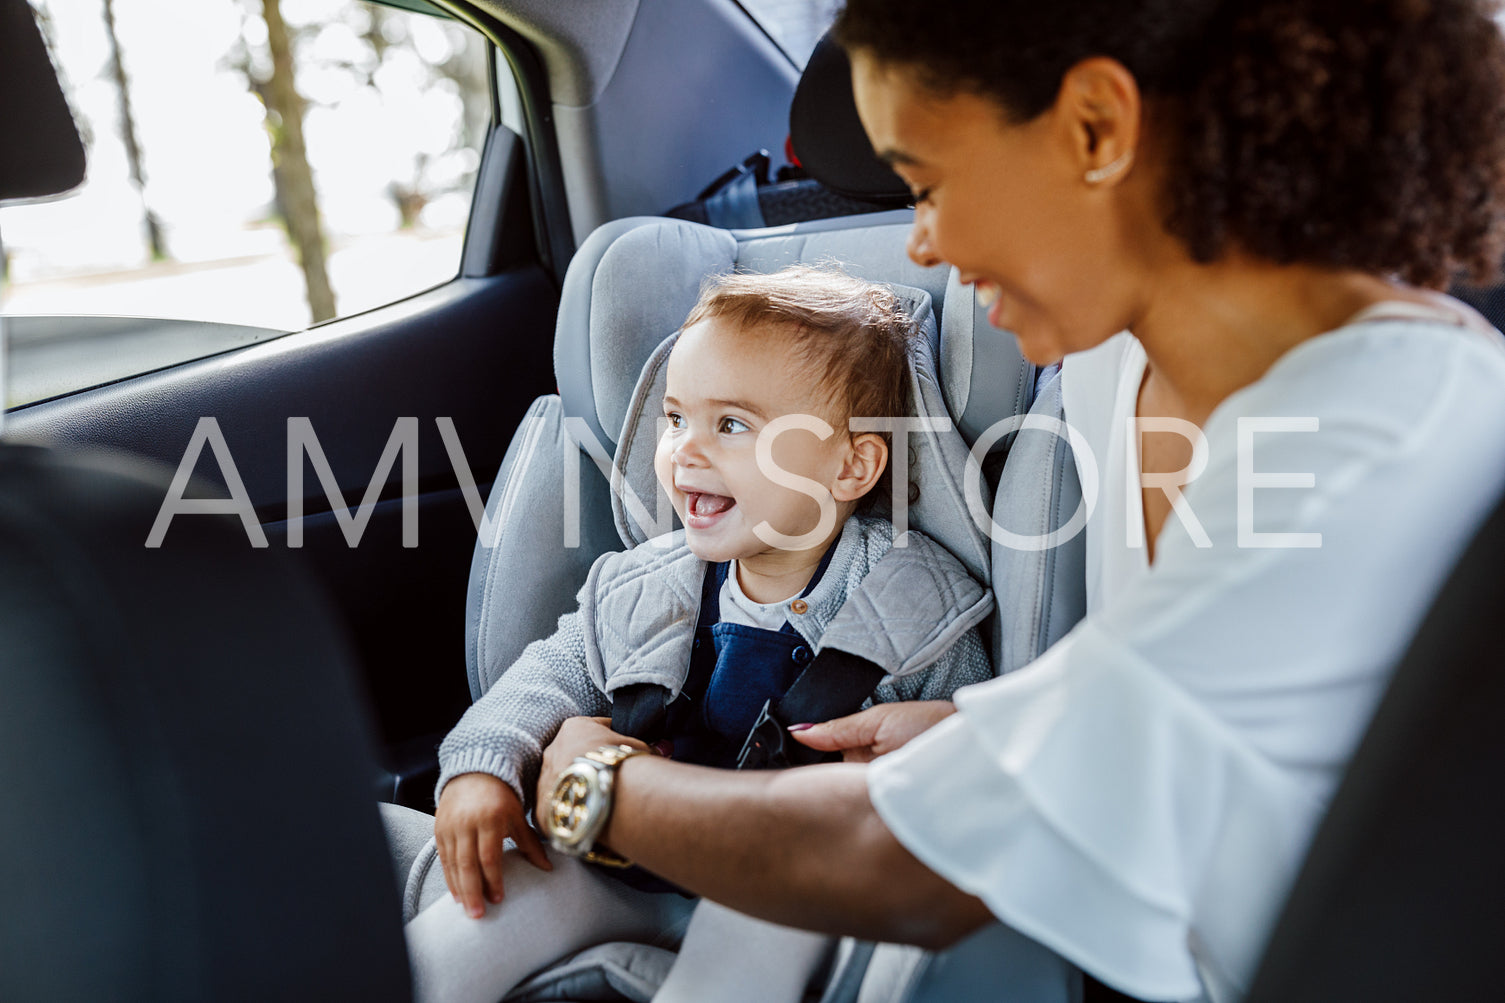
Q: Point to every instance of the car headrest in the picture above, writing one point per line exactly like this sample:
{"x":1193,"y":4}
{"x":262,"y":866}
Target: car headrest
{"x":187,"y":775}
{"x":40,"y":151}
{"x":984,"y":377}
{"x":633,"y":282}
{"x":827,"y":135}
{"x":937,"y":463}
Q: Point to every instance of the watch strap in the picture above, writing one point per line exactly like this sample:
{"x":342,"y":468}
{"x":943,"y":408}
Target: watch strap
{"x":614,"y":755}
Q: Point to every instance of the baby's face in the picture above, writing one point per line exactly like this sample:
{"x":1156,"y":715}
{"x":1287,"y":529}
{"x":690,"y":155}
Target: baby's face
{"x":725,"y":384}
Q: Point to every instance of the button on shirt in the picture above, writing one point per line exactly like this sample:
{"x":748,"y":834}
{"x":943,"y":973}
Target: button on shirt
{"x":736,"y":607}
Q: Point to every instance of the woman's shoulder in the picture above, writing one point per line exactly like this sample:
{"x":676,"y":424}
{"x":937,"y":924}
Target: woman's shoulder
{"x":1363,"y":442}
{"x":1402,"y":373}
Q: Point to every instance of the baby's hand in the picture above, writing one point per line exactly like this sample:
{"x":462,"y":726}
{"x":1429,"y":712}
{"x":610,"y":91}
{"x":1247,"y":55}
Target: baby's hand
{"x":476,"y":812}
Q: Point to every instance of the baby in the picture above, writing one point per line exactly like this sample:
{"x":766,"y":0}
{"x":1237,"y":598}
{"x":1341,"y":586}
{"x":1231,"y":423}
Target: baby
{"x":724,"y":620}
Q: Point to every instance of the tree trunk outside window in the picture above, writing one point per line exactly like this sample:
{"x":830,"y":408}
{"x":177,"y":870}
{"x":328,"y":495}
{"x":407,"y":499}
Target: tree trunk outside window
{"x":290,"y":171}
{"x":154,"y":240}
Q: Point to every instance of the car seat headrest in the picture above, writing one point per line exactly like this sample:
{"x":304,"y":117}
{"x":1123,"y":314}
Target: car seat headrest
{"x":628,"y":285}
{"x":828,"y":137}
{"x":984,"y":377}
{"x":937,"y":463}
{"x":40,"y":152}
{"x":633,"y":281}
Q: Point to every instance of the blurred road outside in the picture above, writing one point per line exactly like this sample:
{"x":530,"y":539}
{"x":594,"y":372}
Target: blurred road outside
{"x":249,"y":291}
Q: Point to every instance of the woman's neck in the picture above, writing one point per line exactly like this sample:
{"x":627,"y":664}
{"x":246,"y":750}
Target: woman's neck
{"x":1213,"y":329}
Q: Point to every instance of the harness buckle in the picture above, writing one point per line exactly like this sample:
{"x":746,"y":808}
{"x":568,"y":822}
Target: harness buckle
{"x":765,"y":748}
{"x":769,"y":747}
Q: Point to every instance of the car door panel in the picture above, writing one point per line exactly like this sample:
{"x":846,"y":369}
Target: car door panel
{"x":476,"y":350}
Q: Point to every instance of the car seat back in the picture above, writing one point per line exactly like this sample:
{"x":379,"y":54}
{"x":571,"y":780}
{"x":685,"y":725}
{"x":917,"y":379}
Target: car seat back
{"x":1402,"y":895}
{"x":629,"y":287}
{"x":187,"y":778}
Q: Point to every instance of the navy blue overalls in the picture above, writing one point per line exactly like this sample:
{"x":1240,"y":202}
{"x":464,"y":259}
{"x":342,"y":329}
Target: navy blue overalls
{"x":734,"y":670}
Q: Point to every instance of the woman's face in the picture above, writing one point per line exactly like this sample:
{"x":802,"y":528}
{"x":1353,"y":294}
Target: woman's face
{"x":1008,"y":205}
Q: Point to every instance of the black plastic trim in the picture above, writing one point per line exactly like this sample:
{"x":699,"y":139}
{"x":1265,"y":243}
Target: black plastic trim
{"x":556,"y":243}
{"x":500,"y":232}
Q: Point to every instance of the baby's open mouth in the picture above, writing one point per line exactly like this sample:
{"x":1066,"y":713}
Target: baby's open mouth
{"x":706,"y":506}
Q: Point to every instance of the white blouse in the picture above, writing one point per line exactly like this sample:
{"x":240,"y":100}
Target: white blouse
{"x":1140,"y":797}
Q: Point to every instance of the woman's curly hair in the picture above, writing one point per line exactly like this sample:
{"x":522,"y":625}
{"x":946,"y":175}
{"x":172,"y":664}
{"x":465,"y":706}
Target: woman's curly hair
{"x":1354,"y":134}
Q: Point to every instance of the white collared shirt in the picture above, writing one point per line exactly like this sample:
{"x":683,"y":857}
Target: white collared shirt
{"x":1141,"y":796}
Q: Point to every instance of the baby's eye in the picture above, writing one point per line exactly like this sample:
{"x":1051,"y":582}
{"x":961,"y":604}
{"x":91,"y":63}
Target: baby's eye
{"x":675,"y":419}
{"x":919,"y":197}
{"x":732,"y":426}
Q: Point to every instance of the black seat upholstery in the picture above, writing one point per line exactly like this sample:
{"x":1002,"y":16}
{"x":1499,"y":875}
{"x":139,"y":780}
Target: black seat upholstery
{"x":837,"y":174}
{"x":184,"y":769}
{"x":1488,"y":300}
{"x":1402,"y":897}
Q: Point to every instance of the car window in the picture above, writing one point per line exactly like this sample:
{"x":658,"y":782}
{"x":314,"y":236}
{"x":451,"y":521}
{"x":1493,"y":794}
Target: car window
{"x":254,"y":167}
{"x":796,"y":25}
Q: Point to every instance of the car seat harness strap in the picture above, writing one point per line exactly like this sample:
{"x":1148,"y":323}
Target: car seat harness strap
{"x":742,"y":691}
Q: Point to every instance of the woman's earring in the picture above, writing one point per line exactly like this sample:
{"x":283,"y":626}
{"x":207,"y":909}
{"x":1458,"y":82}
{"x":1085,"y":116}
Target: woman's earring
{"x":1098,"y":175}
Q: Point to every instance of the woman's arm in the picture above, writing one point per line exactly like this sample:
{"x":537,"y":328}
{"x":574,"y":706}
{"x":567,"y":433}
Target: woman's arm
{"x":801,"y":847}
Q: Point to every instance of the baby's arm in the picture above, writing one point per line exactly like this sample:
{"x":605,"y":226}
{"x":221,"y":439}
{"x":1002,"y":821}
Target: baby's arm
{"x":489,"y":762}
{"x":504,"y":732}
{"x":964,"y":663}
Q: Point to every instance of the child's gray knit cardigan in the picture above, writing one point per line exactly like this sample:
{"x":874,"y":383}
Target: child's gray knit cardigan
{"x":908,"y":609}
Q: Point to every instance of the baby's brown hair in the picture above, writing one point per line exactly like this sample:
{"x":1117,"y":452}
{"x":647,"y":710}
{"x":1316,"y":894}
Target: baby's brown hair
{"x":855,"y":335}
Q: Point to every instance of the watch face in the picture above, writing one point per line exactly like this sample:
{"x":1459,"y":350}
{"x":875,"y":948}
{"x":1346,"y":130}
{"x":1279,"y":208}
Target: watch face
{"x":568,"y":806}
{"x":577,"y":808}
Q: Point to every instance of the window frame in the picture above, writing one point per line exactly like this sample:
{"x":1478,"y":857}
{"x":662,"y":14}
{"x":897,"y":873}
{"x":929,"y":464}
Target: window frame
{"x":554,"y":240}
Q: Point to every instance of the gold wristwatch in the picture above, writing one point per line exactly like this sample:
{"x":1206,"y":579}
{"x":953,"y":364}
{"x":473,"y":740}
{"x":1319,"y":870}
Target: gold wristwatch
{"x":581,"y":804}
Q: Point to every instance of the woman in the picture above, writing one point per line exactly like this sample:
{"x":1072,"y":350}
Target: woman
{"x":1262,"y":193}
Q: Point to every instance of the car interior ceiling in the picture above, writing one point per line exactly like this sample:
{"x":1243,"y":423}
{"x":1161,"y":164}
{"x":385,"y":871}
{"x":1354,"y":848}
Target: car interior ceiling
{"x":1402,"y":896}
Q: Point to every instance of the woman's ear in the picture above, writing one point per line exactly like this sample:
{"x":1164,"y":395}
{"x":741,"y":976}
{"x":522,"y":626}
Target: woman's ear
{"x":1100,"y":105}
{"x":867,"y":455}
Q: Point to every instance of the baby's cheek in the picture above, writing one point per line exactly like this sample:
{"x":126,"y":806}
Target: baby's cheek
{"x":663,"y":467}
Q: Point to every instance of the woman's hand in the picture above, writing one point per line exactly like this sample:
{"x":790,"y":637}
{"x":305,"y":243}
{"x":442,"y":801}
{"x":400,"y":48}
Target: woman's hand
{"x":576,"y":737}
{"x":868,"y":734}
{"x":475,"y":813}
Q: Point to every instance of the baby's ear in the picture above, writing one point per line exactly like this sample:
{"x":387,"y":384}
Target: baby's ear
{"x":867,"y":456}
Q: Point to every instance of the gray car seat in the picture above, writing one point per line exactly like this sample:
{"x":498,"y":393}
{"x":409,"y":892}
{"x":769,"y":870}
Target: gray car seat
{"x":525,"y":574}
{"x":629,"y":286}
